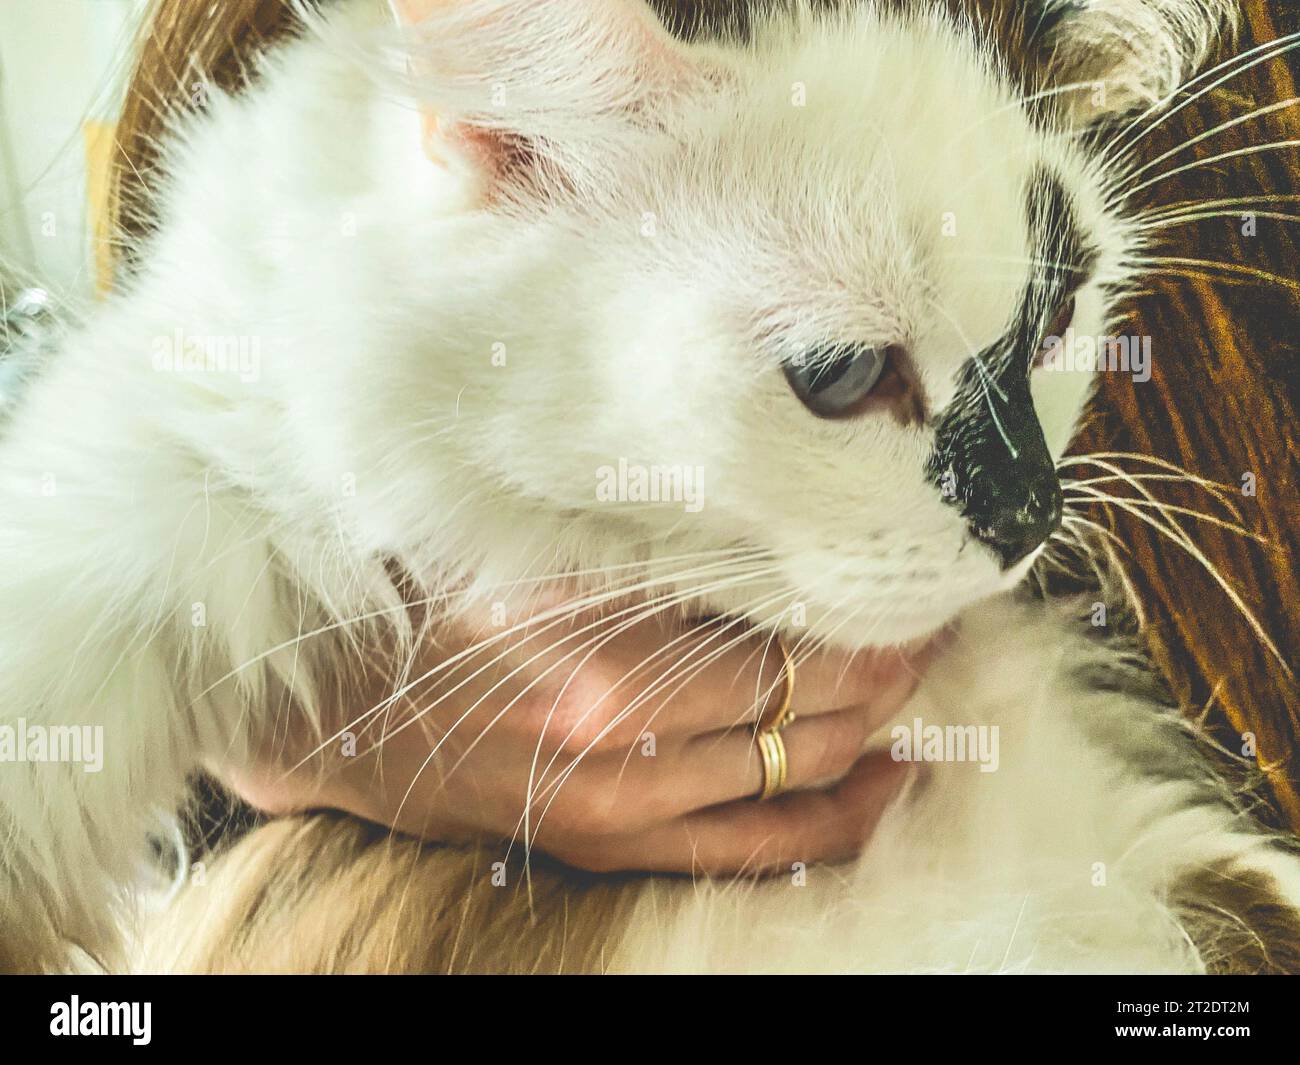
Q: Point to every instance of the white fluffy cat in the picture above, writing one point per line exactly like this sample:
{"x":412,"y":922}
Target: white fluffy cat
{"x":414,"y":290}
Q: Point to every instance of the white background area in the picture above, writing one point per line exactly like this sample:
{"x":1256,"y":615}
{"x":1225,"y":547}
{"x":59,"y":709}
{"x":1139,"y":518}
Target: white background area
{"x":61,"y":62}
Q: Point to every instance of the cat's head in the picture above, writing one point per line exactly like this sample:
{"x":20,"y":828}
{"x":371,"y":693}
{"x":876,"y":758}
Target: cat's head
{"x":787,"y":296}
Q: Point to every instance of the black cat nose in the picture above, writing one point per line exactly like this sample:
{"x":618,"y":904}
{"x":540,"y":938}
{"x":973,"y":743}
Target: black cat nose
{"x":1015,"y":523}
{"x":992,"y":462}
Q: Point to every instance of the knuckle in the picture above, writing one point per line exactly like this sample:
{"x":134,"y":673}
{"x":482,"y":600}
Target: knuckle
{"x":586,"y":715}
{"x":587,"y":813}
{"x":836,"y":749}
{"x":266,"y":791}
{"x":653,"y":806}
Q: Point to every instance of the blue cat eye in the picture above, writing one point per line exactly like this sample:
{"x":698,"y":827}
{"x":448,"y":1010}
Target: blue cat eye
{"x":834,"y":382}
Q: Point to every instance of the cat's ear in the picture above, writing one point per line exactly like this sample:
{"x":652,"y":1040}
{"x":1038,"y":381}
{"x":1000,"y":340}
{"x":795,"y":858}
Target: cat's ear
{"x":521,"y":95}
{"x":1123,"y":55}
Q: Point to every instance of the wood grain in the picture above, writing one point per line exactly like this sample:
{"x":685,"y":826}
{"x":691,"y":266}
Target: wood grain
{"x":1222,"y":403}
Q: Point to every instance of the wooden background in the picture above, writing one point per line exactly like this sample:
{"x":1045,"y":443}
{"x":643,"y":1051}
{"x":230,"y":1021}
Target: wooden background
{"x":1222,"y":403}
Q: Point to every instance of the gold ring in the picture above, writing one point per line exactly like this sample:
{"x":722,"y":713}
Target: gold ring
{"x":775,"y":764}
{"x":785,"y":712}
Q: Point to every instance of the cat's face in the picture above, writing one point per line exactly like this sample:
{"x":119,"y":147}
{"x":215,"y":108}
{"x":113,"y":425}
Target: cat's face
{"x":792,"y":302}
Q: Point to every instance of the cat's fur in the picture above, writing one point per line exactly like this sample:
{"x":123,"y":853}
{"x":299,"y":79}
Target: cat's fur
{"x":603,"y":250}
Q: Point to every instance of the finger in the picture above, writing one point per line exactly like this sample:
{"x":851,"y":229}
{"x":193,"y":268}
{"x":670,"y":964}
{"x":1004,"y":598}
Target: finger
{"x":644,"y":793}
{"x":834,"y":679}
{"x":751,"y":837}
{"x":708,"y":688}
{"x":725,"y":767}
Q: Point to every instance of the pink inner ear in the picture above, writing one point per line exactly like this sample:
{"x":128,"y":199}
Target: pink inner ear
{"x":559,"y":59}
{"x":491,"y":154}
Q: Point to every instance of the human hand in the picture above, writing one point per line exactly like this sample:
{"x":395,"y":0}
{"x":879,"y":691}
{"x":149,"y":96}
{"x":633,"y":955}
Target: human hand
{"x":631,"y":751}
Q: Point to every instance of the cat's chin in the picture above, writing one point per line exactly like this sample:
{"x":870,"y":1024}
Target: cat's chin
{"x":897,"y":623}
{"x":897,"y":628}
{"x":907,"y":632}
{"x":901,"y":630}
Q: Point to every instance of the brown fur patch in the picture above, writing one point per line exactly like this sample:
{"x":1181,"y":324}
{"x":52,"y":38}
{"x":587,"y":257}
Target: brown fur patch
{"x":329,"y":894}
{"x":1239,"y":922}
